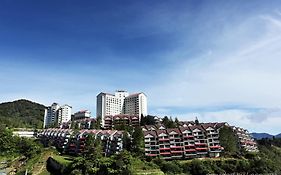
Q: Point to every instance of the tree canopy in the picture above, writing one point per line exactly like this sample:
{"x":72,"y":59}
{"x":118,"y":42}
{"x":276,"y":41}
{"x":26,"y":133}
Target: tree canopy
{"x":22,"y":114}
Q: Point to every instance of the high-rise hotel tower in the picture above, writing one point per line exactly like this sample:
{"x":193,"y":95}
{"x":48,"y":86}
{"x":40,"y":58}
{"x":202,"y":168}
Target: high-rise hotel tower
{"x":55,"y":115}
{"x":121,"y":103}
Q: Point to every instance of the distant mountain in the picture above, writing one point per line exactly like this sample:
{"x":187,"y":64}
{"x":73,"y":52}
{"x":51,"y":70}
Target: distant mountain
{"x":265,"y":135}
{"x":22,"y":114}
{"x":261,"y":135}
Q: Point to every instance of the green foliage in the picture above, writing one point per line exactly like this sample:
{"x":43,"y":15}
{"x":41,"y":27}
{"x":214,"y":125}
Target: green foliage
{"x":228,"y":141}
{"x":97,"y":124}
{"x":22,"y":114}
{"x":168,"y":122}
{"x":147,"y":120}
{"x":177,"y":122}
{"x":17,"y":146}
{"x":127,"y":141}
{"x":138,"y":141}
{"x":117,"y":164}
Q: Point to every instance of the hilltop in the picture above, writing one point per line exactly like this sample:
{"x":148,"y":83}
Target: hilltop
{"x":265,"y":135}
{"x":22,"y":114}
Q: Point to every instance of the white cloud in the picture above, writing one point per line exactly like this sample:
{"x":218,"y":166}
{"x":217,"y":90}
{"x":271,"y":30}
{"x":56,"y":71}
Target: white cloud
{"x":265,"y":120}
{"x":248,"y":76}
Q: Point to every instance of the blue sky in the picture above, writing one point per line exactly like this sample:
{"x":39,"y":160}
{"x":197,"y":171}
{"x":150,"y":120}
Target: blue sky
{"x":218,"y":60}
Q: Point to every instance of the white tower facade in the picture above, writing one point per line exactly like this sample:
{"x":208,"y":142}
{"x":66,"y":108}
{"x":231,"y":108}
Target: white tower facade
{"x":121,"y":103}
{"x":50,"y":116}
{"x":64,"y":114}
{"x":56,"y":115}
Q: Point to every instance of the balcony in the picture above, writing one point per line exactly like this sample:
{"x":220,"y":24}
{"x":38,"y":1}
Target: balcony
{"x":201,"y":144}
{"x":177,"y":151}
{"x":201,"y":149}
{"x":189,"y":146}
{"x":172,"y":146}
{"x":152,"y":155}
{"x":164,"y":139}
{"x":190,"y":150}
{"x":188,"y":136}
{"x":165,"y":153}
{"x":150,"y":140}
{"x":151,"y":149}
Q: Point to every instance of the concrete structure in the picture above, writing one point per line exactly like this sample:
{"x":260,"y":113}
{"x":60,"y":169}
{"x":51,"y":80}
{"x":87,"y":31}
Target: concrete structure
{"x":29,"y":134}
{"x":50,"y":116}
{"x":245,"y":140}
{"x":190,"y":140}
{"x":121,"y":103}
{"x":82,"y":115}
{"x":64,"y":114}
{"x":119,"y":120}
{"x":56,"y":115}
{"x":74,"y":143}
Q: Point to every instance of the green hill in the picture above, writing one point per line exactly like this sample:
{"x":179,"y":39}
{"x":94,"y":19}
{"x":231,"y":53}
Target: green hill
{"x":22,"y":114}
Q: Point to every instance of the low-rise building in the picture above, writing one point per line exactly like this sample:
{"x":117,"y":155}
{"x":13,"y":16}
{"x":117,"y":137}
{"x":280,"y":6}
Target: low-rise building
{"x":68,"y":141}
{"x":190,"y":140}
{"x":113,"y":121}
{"x":245,"y":139}
{"x":83,"y":114}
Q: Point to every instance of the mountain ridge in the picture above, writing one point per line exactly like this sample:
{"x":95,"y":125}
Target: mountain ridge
{"x":22,"y":113}
{"x":264,"y":135}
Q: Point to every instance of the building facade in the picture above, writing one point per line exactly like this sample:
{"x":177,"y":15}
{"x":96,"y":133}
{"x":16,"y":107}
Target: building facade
{"x":70,"y":142}
{"x":120,"y":120}
{"x":83,"y":114}
{"x":55,"y":115}
{"x":50,"y":116}
{"x":190,"y":140}
{"x":64,"y":114}
{"x":121,"y":103}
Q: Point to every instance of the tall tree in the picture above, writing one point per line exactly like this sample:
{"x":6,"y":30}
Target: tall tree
{"x":228,"y":140}
{"x":177,"y":121}
{"x":138,"y":140}
{"x":97,"y":124}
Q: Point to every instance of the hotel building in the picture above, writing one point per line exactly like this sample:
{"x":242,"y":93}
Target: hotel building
{"x":83,"y":114}
{"x":56,"y":115}
{"x":121,"y":103}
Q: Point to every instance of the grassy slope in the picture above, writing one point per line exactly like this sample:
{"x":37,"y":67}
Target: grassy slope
{"x":37,"y":165}
{"x":140,"y":167}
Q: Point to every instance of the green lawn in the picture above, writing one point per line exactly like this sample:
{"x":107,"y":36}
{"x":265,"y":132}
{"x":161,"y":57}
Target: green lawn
{"x":139,"y":167}
{"x":64,"y":160}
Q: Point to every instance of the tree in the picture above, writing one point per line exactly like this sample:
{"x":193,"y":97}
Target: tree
{"x":97,"y":124}
{"x":127,"y":142}
{"x":138,"y":141}
{"x":177,"y":121}
{"x":197,"y":121}
{"x":168,"y":122}
{"x":228,"y":140}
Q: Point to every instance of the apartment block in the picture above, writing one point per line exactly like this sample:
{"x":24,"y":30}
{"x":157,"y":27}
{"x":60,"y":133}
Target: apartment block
{"x":64,"y":114}
{"x":245,"y":140}
{"x":83,"y":114}
{"x":67,"y":141}
{"x":55,"y":115}
{"x":121,"y":103}
{"x":119,"y":120}
{"x":187,"y":141}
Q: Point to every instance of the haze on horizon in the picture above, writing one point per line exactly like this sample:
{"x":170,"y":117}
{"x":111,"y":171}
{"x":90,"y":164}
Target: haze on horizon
{"x":218,"y":60}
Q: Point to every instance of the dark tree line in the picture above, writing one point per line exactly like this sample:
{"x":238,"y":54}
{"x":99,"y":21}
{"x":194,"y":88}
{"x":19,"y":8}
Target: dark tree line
{"x":22,"y":114}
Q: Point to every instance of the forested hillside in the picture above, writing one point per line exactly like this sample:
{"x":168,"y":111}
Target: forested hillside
{"x":22,"y":114}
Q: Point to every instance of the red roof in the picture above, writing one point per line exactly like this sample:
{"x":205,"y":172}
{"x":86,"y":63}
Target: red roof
{"x":153,"y":133}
